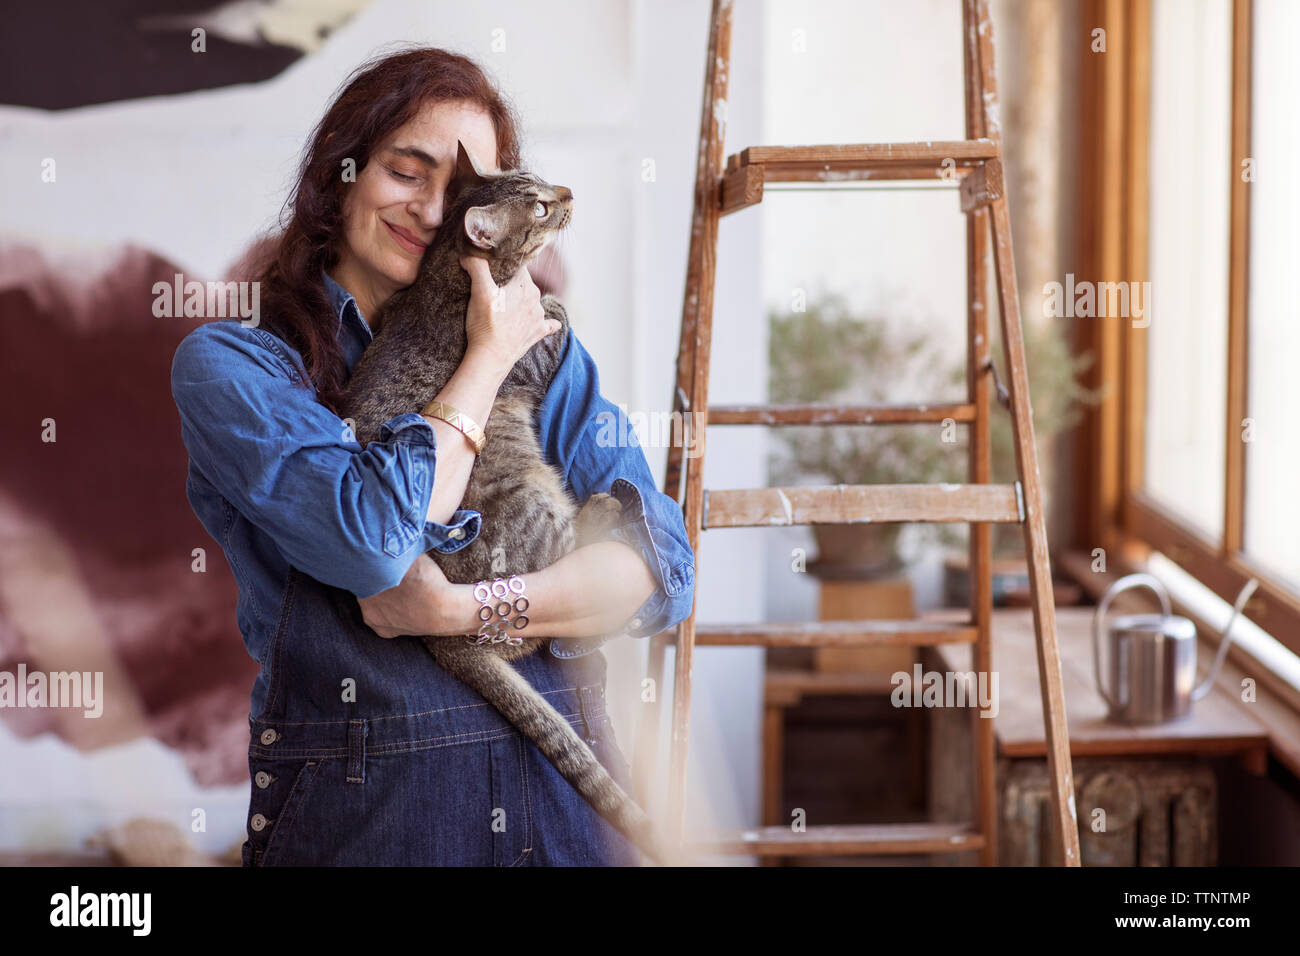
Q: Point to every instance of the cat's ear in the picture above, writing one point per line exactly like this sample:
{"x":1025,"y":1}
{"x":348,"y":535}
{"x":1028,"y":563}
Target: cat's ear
{"x":467,"y":173}
{"x":485,"y":225}
{"x":466,"y":167}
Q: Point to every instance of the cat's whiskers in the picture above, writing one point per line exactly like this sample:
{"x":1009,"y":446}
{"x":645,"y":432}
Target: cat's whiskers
{"x":553,"y":273}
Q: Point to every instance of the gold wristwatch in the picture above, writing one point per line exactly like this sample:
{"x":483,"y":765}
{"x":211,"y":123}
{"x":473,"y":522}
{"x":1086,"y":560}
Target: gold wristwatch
{"x":457,"y":419}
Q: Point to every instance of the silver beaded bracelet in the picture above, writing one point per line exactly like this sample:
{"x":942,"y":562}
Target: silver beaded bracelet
{"x":496,"y":624}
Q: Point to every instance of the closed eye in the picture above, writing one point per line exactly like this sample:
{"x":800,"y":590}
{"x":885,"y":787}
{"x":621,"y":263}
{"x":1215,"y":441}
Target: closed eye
{"x":402,"y":177}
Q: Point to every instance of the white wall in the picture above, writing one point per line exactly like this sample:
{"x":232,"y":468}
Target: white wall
{"x":864,"y":71}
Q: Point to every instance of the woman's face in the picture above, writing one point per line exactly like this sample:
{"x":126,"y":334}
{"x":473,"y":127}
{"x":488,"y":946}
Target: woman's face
{"x":393,"y":210}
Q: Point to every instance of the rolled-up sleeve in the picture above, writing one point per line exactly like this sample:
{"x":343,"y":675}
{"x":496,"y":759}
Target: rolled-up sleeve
{"x":349,"y":517}
{"x":591,"y":440}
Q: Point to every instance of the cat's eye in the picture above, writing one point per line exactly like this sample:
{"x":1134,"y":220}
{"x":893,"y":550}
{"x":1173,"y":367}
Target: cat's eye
{"x":539,"y":209}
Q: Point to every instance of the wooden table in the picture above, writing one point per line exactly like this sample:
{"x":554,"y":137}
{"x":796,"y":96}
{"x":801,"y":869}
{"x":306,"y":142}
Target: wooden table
{"x":1159,"y":797}
{"x":1217,"y":726}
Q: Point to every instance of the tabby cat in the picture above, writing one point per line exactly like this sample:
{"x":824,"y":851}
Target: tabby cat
{"x":528,"y":516}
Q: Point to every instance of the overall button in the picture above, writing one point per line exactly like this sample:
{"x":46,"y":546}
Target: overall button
{"x":258,"y":822}
{"x":635,"y":623}
{"x":456,"y":533}
{"x":263,"y":779}
{"x":269,"y":736}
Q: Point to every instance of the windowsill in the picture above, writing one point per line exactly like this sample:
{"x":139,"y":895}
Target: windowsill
{"x":1253,"y":654}
{"x":1211,"y":612}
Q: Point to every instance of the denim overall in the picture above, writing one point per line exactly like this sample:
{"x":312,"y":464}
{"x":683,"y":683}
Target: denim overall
{"x":368,"y":753}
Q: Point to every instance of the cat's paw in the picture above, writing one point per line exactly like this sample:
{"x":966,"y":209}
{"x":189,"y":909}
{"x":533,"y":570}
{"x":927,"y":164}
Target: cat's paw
{"x":597,"y":518}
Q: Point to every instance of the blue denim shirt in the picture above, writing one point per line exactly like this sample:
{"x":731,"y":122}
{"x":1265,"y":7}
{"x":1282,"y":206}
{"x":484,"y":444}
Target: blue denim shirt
{"x":278,"y":479}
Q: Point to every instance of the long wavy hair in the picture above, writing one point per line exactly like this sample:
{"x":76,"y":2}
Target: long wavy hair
{"x":379,"y":97}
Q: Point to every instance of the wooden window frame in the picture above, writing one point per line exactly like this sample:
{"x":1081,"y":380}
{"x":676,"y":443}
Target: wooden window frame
{"x":1114,"y":191}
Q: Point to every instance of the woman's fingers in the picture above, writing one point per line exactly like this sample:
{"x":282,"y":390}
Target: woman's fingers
{"x":530,"y":297}
{"x":421,"y":603}
{"x":372,"y":615}
{"x":506,"y":320}
{"x":549,"y":327}
{"x":477,"y":267}
{"x":482,"y":286}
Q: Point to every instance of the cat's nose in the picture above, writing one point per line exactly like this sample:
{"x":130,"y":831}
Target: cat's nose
{"x":563,"y":193}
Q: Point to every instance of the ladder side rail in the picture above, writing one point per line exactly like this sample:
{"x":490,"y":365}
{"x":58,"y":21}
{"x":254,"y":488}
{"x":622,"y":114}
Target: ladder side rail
{"x":697,"y":337}
{"x":980,"y":586}
{"x":1064,"y":811}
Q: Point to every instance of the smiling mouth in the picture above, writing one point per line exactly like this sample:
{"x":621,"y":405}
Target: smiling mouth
{"x":405,"y":240}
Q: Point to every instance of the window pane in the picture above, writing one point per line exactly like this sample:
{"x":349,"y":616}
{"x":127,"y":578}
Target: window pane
{"x":1273,"y":386}
{"x":1191,"y":74}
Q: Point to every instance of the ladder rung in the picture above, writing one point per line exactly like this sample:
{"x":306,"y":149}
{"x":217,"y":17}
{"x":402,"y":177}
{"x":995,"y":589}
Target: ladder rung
{"x":782,"y":163}
{"x":867,"y":839}
{"x":748,"y":170}
{"x":828,"y":413}
{"x":867,"y":633}
{"x":787,"y":686}
{"x":850,"y":504}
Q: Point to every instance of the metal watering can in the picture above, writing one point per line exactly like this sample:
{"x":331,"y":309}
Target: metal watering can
{"x":1153,"y":656}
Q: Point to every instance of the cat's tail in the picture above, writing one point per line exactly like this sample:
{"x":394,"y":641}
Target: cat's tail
{"x":520,"y":703}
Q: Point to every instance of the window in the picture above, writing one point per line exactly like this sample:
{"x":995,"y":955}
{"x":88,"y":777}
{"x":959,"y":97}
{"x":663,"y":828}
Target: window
{"x":1187,"y":253}
{"x":1190,"y":127}
{"x":1272,"y":525}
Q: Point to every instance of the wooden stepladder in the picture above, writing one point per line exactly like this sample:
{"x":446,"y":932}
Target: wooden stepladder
{"x":976,"y":164}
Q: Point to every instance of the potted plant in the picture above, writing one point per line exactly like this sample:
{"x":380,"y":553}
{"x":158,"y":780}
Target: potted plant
{"x":828,"y":354}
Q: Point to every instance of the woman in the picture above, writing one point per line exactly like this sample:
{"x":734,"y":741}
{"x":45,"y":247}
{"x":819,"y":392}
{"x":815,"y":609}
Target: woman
{"x":363,"y":750}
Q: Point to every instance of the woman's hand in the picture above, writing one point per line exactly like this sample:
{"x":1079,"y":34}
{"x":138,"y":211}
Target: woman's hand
{"x":425,"y":603}
{"x":503,"y":322}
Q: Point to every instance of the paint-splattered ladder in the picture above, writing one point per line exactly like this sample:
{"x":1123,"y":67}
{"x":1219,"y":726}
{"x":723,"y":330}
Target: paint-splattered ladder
{"x":719,"y":190}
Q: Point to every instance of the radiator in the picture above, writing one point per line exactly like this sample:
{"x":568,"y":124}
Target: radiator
{"x":1156,"y":811}
{"x":1132,"y":812}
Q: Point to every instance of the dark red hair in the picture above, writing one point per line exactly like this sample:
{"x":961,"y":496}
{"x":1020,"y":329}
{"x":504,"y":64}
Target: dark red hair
{"x":379,"y":97}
